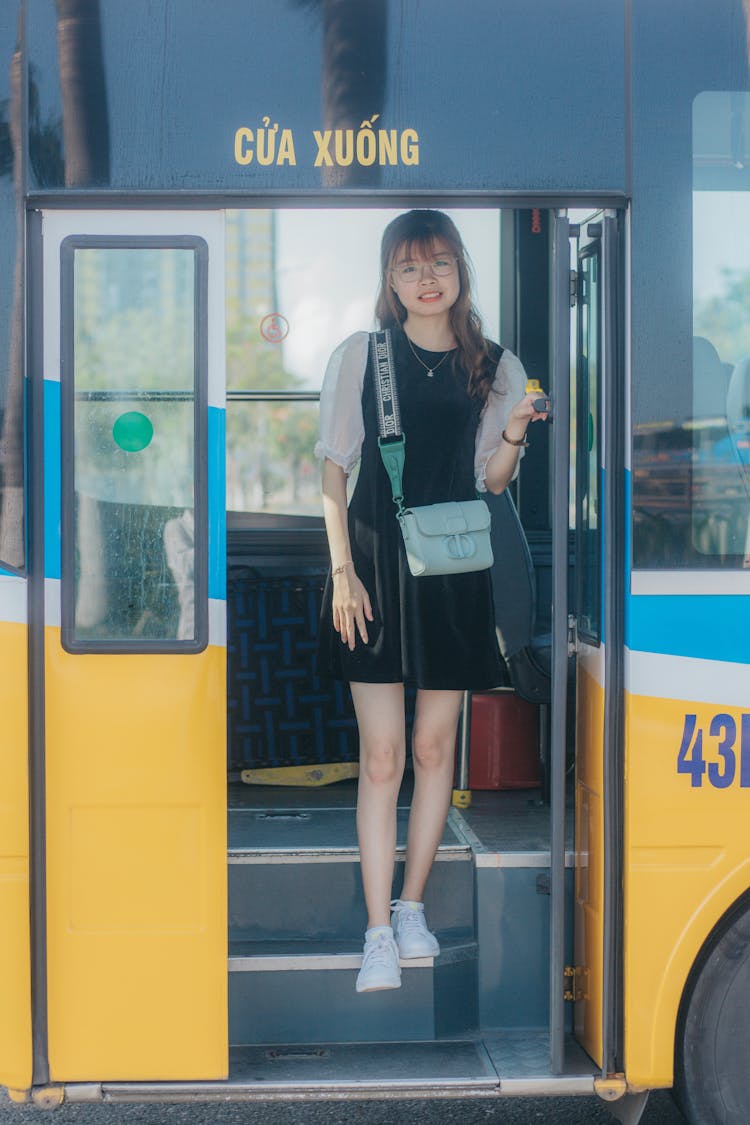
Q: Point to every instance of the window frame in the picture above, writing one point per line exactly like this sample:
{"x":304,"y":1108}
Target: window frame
{"x":584,"y":577}
{"x":68,"y":248}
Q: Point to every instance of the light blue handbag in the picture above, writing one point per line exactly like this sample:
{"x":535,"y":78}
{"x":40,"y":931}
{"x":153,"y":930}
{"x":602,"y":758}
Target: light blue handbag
{"x":450,"y":538}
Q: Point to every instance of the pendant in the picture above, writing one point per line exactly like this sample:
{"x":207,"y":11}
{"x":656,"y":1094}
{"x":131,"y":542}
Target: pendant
{"x":430,"y":374}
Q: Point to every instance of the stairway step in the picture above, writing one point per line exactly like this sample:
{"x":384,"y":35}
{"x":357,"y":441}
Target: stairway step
{"x":297,"y":992}
{"x":513,"y":1064}
{"x":325,"y":901}
{"x":293,"y":832}
{"x":409,"y":1066}
{"x":253,"y":956}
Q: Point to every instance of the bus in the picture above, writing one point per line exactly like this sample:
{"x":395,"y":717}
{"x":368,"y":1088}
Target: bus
{"x":191,"y":199}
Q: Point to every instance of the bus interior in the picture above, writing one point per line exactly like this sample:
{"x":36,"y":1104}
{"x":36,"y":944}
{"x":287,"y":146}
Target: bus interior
{"x":308,"y":278}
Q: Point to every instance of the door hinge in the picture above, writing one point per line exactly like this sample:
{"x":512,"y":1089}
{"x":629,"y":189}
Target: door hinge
{"x":572,"y":635}
{"x":573,"y":288}
{"x":572,"y":983}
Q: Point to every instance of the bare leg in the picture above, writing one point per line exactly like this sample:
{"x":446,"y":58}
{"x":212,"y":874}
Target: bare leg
{"x":433,"y":750}
{"x":382,"y":750}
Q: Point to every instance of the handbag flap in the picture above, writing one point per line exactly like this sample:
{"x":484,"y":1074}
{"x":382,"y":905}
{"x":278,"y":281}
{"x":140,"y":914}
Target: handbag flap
{"x":455,"y":518}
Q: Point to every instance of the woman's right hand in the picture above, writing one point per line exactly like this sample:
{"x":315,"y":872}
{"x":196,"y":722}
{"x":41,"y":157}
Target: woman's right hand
{"x":351,"y":606}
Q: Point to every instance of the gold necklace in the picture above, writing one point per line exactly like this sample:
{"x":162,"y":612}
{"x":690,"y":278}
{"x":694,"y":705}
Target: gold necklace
{"x":430,"y":370}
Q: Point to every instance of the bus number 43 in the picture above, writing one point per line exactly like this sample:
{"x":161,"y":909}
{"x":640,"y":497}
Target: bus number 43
{"x":722,"y":773}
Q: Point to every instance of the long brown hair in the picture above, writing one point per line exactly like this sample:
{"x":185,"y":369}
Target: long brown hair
{"x":418,"y":231}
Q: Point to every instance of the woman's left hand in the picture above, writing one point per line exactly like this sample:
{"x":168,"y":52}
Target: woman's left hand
{"x":523,"y":413}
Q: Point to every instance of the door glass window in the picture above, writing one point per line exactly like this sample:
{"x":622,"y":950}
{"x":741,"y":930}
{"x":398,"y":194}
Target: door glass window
{"x":133,"y":488}
{"x":691,"y":451}
{"x":588,"y":546}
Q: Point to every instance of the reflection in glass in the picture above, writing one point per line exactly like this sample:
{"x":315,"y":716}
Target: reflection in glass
{"x":691,"y":486}
{"x":134,"y":440}
{"x":588,"y":547}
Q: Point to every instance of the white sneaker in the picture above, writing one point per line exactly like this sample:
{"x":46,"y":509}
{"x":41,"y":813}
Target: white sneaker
{"x":410,"y":930}
{"x":380,"y":967}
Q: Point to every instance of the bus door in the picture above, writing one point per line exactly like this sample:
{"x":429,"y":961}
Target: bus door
{"x":597,"y":426}
{"x":134,"y":739}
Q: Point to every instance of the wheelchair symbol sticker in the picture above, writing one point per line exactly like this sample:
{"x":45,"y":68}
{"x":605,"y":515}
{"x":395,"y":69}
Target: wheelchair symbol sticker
{"x":274,"y":328}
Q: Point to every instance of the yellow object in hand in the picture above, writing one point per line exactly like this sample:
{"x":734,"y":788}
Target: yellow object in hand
{"x":533,"y":385}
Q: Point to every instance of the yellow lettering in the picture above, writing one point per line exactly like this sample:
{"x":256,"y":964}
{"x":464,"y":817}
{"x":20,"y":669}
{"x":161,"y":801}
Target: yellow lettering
{"x":323,"y":140}
{"x":286,"y":148}
{"x":269,"y":145}
{"x":387,"y":146}
{"x":344,"y":155}
{"x":242,"y":138}
{"x":410,"y":146}
{"x":366,"y":145}
{"x":266,"y":141}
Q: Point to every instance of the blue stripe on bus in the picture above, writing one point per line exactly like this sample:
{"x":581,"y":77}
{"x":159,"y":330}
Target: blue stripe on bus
{"x":217,"y":522}
{"x":52,"y":462}
{"x":702,"y":626}
{"x":707,"y":626}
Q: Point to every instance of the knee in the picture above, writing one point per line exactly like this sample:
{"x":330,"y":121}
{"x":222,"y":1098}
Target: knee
{"x":383,"y":763}
{"x":431,"y":751}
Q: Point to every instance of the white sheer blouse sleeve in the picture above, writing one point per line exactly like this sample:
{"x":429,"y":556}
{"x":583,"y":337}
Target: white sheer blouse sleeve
{"x":508,"y":388}
{"x":342,"y":429}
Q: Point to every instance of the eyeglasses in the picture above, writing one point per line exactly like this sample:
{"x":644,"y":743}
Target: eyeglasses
{"x":438,"y":267}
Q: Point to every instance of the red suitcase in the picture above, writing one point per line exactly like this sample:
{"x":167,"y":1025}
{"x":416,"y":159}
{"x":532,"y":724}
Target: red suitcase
{"x":504,"y":748}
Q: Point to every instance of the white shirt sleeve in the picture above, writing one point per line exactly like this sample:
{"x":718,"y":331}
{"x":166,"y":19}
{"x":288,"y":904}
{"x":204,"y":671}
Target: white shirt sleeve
{"x":508,"y":388}
{"x":342,"y":429}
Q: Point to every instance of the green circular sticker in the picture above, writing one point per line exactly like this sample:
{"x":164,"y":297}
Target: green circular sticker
{"x":132,"y":431}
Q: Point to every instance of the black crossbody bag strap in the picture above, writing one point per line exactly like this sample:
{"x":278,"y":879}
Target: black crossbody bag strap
{"x":391,"y":438}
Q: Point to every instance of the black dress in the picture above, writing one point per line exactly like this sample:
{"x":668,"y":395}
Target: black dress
{"x":434,"y":632}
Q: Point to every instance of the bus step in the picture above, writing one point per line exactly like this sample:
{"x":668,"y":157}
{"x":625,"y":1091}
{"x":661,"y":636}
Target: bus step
{"x":510,"y":1064}
{"x":291,"y":831}
{"x":314,"y":898}
{"x":302,"y":992}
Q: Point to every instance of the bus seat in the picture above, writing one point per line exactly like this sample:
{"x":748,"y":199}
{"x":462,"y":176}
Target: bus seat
{"x":527,"y":655}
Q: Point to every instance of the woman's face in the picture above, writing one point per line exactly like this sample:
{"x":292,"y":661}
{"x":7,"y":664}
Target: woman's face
{"x":427,"y":284}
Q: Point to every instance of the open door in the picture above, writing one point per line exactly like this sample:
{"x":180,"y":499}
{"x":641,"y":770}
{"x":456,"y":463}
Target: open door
{"x":600,"y":561}
{"x":134,"y":656}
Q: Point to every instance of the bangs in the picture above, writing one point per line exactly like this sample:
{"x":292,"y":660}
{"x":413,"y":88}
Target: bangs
{"x":424,"y":246}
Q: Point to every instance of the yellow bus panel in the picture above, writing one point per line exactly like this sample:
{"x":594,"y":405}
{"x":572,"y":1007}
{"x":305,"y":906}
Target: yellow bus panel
{"x":15,"y":941}
{"x":589,"y":892}
{"x":136,"y":865}
{"x":687,"y":859}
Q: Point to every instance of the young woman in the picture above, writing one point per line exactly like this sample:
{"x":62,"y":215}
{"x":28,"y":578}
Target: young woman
{"x":464,"y":412}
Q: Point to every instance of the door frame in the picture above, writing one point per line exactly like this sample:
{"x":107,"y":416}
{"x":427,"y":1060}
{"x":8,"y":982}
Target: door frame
{"x":606,"y":231}
{"x":44,"y":596}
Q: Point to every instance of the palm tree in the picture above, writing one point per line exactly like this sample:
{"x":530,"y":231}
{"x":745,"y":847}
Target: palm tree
{"x":83,"y":92}
{"x":353,"y":74}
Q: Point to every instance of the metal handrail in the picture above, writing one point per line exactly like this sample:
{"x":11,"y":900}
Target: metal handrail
{"x":188,"y":395}
{"x":273,"y":396}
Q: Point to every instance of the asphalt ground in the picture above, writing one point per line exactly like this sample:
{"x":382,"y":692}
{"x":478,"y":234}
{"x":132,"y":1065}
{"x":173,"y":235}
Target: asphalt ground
{"x":660,"y":1110}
